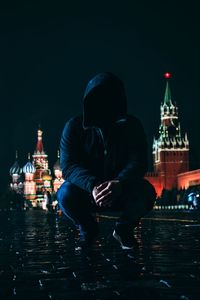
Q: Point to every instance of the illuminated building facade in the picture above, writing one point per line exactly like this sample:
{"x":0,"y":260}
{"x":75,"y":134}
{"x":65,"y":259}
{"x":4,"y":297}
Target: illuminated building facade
{"x":170,"y":160}
{"x":29,"y":182}
{"x":171,"y":150}
{"x":37,"y":175}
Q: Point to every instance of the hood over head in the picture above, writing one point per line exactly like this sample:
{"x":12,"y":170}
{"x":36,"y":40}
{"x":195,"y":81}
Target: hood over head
{"x":104,"y":101}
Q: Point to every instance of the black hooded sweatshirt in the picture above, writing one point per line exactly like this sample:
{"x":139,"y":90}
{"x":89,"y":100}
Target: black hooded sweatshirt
{"x":105,"y":143}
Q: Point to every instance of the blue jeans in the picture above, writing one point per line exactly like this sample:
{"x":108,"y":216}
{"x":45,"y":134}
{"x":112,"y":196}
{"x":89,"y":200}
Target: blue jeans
{"x":78,"y":205}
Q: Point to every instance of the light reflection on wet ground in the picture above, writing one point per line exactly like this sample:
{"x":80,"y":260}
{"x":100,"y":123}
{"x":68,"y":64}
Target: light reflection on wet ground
{"x":38,"y":259}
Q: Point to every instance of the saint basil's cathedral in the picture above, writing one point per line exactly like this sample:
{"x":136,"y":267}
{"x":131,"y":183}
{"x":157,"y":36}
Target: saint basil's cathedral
{"x":37,"y":175}
{"x":170,"y":160}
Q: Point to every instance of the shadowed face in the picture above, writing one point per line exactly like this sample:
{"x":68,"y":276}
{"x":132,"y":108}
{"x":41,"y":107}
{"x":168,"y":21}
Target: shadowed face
{"x":104,"y":104}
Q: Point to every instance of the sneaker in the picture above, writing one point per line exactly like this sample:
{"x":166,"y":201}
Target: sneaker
{"x":87,"y":238}
{"x":124,"y":235}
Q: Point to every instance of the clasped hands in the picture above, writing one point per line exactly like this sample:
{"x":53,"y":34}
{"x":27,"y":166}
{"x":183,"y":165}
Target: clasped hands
{"x":106,"y":193}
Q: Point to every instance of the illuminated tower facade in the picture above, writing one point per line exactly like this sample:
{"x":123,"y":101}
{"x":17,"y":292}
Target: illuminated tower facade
{"x":40,"y":162}
{"x":171,"y":148}
{"x":29,"y":183}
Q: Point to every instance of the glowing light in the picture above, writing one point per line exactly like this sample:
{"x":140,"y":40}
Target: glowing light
{"x":167,"y":75}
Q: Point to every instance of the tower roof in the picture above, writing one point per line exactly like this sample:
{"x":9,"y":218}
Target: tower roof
{"x":39,"y":146}
{"x":167,"y":97}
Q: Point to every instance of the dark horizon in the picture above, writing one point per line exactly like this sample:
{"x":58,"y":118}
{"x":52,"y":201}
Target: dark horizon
{"x":49,"y":53}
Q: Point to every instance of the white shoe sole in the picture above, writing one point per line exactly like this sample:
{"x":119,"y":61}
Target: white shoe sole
{"x":118,"y":238}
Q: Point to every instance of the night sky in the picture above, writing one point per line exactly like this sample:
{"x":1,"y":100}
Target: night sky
{"x":50,"y":49}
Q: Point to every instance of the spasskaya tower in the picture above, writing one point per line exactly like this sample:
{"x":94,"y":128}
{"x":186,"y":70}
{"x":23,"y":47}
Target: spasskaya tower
{"x":171,"y":148}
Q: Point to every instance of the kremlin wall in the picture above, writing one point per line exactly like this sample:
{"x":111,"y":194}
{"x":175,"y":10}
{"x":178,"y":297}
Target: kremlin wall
{"x":170,"y":160}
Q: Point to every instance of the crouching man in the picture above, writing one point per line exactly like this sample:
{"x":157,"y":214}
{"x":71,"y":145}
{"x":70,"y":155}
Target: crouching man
{"x":103,"y":155}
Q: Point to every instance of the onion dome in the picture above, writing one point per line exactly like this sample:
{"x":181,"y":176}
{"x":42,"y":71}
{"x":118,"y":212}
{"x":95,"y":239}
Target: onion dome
{"x":57,"y":164}
{"x":46,"y":175}
{"x":29,"y":168}
{"x":15,"y":169}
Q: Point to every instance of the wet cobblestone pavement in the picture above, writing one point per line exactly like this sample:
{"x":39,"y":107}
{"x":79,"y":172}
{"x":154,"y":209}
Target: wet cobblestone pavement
{"x":38,"y":259}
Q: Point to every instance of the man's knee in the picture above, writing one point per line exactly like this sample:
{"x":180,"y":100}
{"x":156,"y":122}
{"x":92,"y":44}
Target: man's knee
{"x":66,"y":194}
{"x":70,"y":196}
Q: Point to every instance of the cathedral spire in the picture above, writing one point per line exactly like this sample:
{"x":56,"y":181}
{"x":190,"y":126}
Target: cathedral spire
{"x":39,"y":146}
{"x":167,"y":97}
{"x":169,"y":111}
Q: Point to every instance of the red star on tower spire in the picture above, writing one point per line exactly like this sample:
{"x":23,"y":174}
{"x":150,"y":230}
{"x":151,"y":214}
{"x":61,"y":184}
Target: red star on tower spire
{"x":167,"y":75}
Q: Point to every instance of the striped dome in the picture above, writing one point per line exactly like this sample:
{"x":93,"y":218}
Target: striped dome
{"x":29,"y":168}
{"x":15,"y":169}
